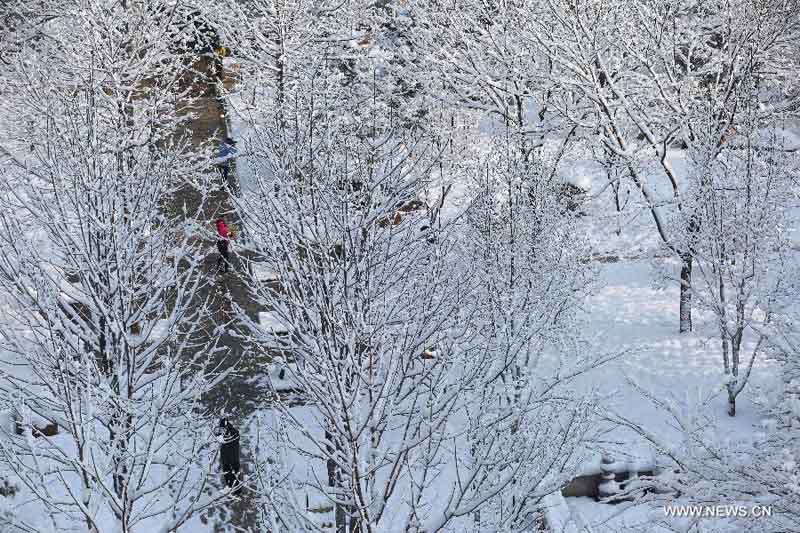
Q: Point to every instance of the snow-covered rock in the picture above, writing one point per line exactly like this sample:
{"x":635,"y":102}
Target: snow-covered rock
{"x":281,"y":377}
{"x":580,"y":180}
{"x":558,"y":514}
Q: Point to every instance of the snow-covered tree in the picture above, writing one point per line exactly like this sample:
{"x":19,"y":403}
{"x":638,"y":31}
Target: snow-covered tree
{"x":486,"y":63}
{"x":652,"y":78}
{"x":524,"y":248}
{"x":743,"y":198}
{"x":277,"y":43}
{"x":424,"y":389}
{"x":745,"y":279}
{"x":22,"y":24}
{"x":105,"y":330}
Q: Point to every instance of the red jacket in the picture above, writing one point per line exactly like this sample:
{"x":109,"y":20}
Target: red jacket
{"x":222,"y":229}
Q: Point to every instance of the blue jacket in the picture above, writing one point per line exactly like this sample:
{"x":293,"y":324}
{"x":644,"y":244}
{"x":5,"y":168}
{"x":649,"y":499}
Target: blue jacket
{"x":225,"y":153}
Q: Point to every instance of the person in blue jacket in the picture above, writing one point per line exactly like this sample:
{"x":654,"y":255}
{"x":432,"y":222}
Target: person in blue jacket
{"x":225,"y":156}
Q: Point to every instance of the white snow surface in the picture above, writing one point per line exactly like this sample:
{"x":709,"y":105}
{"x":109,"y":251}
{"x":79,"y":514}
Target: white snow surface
{"x":271,"y":323}
{"x":263,"y":273}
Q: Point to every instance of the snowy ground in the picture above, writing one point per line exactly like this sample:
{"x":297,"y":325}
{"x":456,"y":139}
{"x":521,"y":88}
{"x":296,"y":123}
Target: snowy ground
{"x":601,"y":518}
{"x":635,"y":312}
{"x":630,"y":314}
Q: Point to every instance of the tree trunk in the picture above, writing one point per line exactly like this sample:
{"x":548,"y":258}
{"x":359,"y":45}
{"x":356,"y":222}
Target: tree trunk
{"x":355,"y":522}
{"x":335,"y":482}
{"x":731,"y":403}
{"x":341,"y":519}
{"x":685,"y":324}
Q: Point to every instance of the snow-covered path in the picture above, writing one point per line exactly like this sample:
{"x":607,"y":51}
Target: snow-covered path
{"x":238,"y":396}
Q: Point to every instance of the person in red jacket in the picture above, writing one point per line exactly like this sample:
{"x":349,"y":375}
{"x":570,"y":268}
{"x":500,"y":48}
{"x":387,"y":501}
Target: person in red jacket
{"x":223,"y":244}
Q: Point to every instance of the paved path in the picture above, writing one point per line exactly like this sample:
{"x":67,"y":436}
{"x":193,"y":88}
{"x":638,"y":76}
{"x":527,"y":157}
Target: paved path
{"x":238,"y":396}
